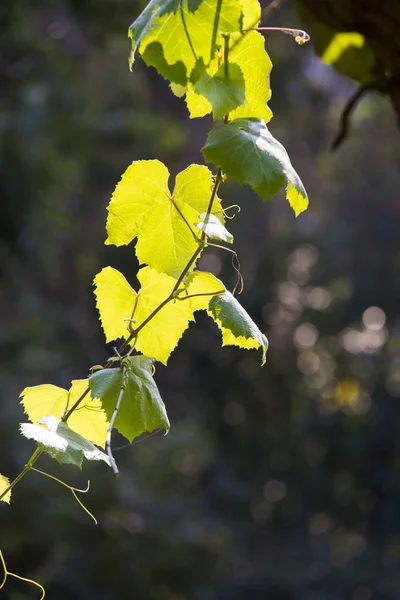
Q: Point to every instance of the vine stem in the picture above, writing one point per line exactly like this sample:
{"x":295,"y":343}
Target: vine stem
{"x":202,"y":243}
{"x":26,"y":470}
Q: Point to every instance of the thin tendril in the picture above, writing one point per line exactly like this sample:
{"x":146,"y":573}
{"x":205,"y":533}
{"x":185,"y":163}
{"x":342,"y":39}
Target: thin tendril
{"x":224,"y":210}
{"x":6,"y":573}
{"x":236,"y":267}
{"x":72,"y":489}
{"x":300,"y":36}
{"x":3,"y":563}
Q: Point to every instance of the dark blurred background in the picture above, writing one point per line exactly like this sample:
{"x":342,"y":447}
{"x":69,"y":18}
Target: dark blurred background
{"x":279,"y":482}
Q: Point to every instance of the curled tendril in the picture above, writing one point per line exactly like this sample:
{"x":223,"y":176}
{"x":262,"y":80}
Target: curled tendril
{"x":226,"y":215}
{"x":72,"y":489}
{"x":300,"y":36}
{"x":8,"y":573}
{"x":236,"y":265}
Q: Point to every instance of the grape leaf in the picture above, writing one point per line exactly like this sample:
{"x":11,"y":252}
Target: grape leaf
{"x":116,"y":300}
{"x":181,"y":32}
{"x":134,"y":196}
{"x":89,"y":420}
{"x":61,"y":442}
{"x":248,"y":54}
{"x":255,"y":157}
{"x":214,"y":228}
{"x":251,"y":13}
{"x":163,"y":333}
{"x":141,"y":408}
{"x":236,"y":325}
{"x":166,"y":234}
{"x":224,"y":91}
{"x":4,"y":483}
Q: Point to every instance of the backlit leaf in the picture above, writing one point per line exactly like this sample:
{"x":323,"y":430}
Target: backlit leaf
{"x":248,"y":54}
{"x":62,"y":443}
{"x":255,"y":157}
{"x":236,"y":325}
{"x":141,"y":408}
{"x":163,"y":222}
{"x":142,"y":182}
{"x":181,"y":32}
{"x":201,"y":287}
{"x":164,"y":331}
{"x":4,"y":483}
{"x":115,"y":302}
{"x":89,"y":420}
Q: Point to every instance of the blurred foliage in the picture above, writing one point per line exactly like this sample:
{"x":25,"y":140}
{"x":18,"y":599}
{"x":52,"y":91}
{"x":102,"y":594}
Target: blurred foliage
{"x":278,"y":482}
{"x":367,"y":34}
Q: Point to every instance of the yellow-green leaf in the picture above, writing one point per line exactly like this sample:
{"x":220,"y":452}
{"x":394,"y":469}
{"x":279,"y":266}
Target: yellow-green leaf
{"x":142,"y":182}
{"x":163,"y":222}
{"x":249,"y":54}
{"x":89,"y":420}
{"x":159,"y":338}
{"x":115,"y":300}
{"x":201,"y":288}
{"x":179,"y":33}
{"x":162,"y":334}
{"x":4,"y":483}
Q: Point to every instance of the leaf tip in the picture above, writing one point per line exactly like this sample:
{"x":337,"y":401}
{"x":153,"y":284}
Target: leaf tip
{"x":297,"y":199}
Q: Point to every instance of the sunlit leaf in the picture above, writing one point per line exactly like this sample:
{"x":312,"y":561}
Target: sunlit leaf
{"x":163,"y":333}
{"x":142,"y":182}
{"x":4,"y":483}
{"x":201,"y":287}
{"x":89,"y":420}
{"x":250,"y":56}
{"x":236,"y":325}
{"x":246,"y":151}
{"x":115,"y":301}
{"x":141,"y":408}
{"x":159,"y":338}
{"x":62,"y":443}
{"x":163,"y":222}
{"x":178,"y":33}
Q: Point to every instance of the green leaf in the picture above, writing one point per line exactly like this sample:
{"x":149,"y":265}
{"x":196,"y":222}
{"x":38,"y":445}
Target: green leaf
{"x":214,"y":228}
{"x":246,"y":151}
{"x":224,"y":91}
{"x":4,"y":483}
{"x":61,"y":442}
{"x":236,"y":325}
{"x":143,"y":206}
{"x":89,"y":421}
{"x":182,"y":32}
{"x":142,"y":408}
